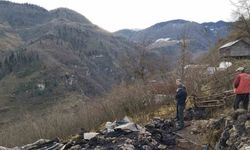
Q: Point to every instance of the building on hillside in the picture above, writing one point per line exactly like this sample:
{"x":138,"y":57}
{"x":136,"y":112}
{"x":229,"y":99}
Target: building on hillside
{"x":235,"y":49}
{"x":206,"y":69}
{"x":195,"y":68}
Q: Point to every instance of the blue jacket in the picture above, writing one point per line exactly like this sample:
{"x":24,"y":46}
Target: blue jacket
{"x":181,"y":95}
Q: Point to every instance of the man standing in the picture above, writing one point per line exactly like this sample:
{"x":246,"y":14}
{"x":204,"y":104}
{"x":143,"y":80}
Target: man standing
{"x":181,"y":96}
{"x":241,"y":88}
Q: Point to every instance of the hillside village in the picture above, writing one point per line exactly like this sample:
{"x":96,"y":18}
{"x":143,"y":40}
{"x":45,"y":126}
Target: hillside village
{"x":66,"y":83}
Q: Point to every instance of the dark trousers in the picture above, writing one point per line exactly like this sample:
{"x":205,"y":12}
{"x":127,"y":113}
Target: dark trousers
{"x":241,"y":97}
{"x":180,"y":114}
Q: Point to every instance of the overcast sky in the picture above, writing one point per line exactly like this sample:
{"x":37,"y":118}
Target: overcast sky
{"x":113,"y":15}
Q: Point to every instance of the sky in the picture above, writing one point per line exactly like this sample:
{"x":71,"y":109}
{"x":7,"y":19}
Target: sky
{"x":114,"y":15}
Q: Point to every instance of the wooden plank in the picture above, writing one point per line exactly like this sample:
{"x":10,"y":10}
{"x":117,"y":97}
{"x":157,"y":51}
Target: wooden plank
{"x":209,"y":101}
{"x":209,"y":106}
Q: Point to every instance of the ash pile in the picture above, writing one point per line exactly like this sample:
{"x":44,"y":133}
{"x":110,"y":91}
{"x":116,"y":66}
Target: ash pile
{"x":118,"y":135}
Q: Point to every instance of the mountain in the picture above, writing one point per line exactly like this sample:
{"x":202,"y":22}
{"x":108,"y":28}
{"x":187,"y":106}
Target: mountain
{"x":9,"y":39}
{"x":199,"y":36}
{"x":127,"y":33}
{"x":51,"y":57}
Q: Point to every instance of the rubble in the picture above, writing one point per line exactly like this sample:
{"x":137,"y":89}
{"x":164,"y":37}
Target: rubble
{"x":198,"y":126}
{"x":122,"y":134}
{"x":195,"y":114}
{"x":235,"y":133}
{"x":40,"y":144}
{"x":182,"y":143}
{"x":157,"y":134}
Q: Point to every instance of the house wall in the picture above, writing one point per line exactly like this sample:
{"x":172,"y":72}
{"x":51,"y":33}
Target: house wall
{"x":240,"y":49}
{"x":225,"y":52}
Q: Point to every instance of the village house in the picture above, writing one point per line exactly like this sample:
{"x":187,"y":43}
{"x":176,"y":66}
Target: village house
{"x":235,"y":49}
{"x":206,"y":69}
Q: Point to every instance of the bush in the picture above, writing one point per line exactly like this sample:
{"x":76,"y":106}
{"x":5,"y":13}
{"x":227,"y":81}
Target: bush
{"x":132,"y":100}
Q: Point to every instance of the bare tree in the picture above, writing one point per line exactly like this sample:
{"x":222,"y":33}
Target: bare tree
{"x":183,"y":57}
{"x":136,"y":66}
{"x":141,"y":68}
{"x":242,"y":15}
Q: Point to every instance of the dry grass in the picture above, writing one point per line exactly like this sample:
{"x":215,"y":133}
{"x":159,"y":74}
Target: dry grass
{"x":135,"y":100}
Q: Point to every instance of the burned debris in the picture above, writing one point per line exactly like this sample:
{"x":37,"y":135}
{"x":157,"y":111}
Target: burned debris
{"x":123,"y":134}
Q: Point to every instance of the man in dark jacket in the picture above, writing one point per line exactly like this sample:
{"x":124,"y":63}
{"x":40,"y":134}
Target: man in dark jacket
{"x":241,"y":88}
{"x":181,"y":96}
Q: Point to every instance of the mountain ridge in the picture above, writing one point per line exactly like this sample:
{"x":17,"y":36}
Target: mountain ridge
{"x":199,"y":32}
{"x":56,"y":57}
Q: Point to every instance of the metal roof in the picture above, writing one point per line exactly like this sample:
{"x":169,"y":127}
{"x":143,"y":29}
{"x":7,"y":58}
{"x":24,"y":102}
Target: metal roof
{"x":229,"y":44}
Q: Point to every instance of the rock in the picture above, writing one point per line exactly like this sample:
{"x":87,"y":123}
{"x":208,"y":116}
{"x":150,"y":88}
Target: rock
{"x":129,"y":141}
{"x":247,"y":126}
{"x":182,"y":143}
{"x":238,"y":112}
{"x":240,"y":128}
{"x":97,"y":148}
{"x":194,"y":130}
{"x":217,"y":123}
{"x":127,"y":147}
{"x":162,"y":146}
{"x":224,"y":137}
{"x":245,"y":147}
{"x":76,"y":147}
{"x":146,"y":147}
{"x":198,"y":126}
{"x":157,"y":118}
{"x":242,"y":118}
{"x":168,"y":139}
{"x":232,"y":130}
{"x":248,"y":116}
{"x":229,"y":122}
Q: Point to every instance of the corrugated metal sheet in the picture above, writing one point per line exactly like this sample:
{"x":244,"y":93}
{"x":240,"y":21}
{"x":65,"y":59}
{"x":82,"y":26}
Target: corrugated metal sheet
{"x":229,"y":44}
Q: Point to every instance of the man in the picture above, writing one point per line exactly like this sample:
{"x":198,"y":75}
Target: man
{"x":241,"y":88}
{"x":181,"y":96}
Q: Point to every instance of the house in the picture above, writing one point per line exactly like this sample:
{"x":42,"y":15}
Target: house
{"x":235,"y":49}
{"x":206,"y":69}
